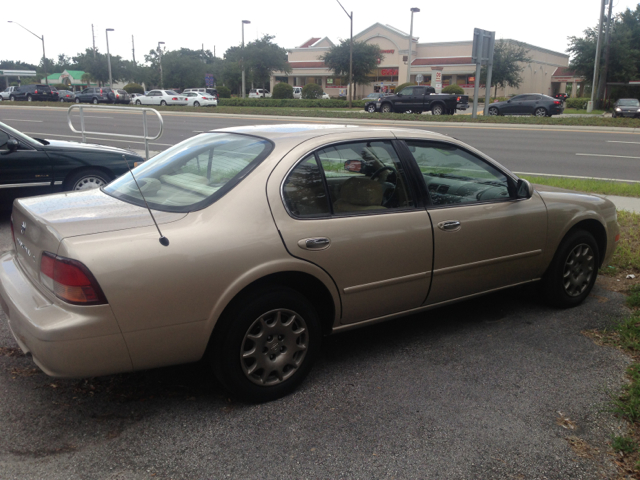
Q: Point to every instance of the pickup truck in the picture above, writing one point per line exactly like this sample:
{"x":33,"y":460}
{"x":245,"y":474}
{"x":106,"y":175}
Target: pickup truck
{"x":418,"y":99}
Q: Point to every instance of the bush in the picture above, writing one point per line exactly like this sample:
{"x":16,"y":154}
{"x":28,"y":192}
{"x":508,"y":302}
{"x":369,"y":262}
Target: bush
{"x":578,"y":103}
{"x":133,"y":88}
{"x":282,"y":90}
{"x":453,"y":90}
{"x":401,"y":86}
{"x":287,"y":103}
{"x":61,"y":86}
{"x":312,"y":91}
{"x":224,"y":92}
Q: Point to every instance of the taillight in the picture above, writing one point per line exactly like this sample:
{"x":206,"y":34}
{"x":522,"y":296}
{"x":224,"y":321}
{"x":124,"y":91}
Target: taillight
{"x":36,"y":91}
{"x":117,"y":95}
{"x":100,"y":91}
{"x":556,"y":102}
{"x":70,"y":280}
{"x":458,"y":99}
{"x":205,"y":98}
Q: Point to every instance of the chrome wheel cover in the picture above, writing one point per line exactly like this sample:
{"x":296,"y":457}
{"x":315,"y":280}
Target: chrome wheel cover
{"x":89,"y":183}
{"x":578,"y":270}
{"x":541,"y":112}
{"x":437,"y":110}
{"x":274,"y":347}
{"x":371,"y":109}
{"x":493,"y":112}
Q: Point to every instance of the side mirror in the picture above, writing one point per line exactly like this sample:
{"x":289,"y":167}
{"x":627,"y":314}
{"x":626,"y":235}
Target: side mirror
{"x":353,"y":166}
{"x":399,"y":94}
{"x":12,"y":146}
{"x":524,"y":189}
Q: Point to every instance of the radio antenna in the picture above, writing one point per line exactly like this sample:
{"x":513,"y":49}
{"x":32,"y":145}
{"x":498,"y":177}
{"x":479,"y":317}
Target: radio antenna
{"x":164,"y":241}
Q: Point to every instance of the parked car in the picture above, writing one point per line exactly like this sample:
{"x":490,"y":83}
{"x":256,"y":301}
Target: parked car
{"x":98,"y":95}
{"x":66,"y":96}
{"x":372,"y":100}
{"x":34,"y":166}
{"x":325,"y":96}
{"x":297,"y":92}
{"x":259,"y":93}
{"x":418,"y":99}
{"x":33,"y":93}
{"x":198,"y":99}
{"x":269,"y":237}
{"x":211,"y":91}
{"x":528,"y":104}
{"x":561,"y":96}
{"x":162,"y":98}
{"x":626,"y":107}
{"x":133,"y":96}
{"x":4,"y":95}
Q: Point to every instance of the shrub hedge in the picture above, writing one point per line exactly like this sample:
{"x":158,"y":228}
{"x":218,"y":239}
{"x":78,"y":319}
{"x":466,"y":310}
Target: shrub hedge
{"x":133,"y":88}
{"x":577,"y":103}
{"x":282,"y":90}
{"x":453,"y":90}
{"x":312,"y":91}
{"x":289,"y":103}
{"x":223,"y":92}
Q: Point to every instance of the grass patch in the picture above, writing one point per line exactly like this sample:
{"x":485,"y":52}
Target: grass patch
{"x":633,"y":300}
{"x":627,"y":255}
{"x":342,"y":113}
{"x":624,"y":444}
{"x":582,"y":112}
{"x":602,"y":187}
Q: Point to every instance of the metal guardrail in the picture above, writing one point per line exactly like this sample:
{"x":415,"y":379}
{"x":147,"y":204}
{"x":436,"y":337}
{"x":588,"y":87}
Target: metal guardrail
{"x":144,"y":111}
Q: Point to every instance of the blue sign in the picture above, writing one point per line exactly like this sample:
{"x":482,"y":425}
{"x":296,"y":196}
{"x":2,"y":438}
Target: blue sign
{"x":209,"y":80}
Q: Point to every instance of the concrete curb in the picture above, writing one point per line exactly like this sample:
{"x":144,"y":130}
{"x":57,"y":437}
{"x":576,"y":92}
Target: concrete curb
{"x":395,"y":123}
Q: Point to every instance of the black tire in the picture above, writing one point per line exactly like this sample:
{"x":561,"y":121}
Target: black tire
{"x":573,"y":270}
{"x":163,"y":103}
{"x":540,"y":112}
{"x":438,"y":109}
{"x":29,"y":98}
{"x":196,"y":104}
{"x":77,"y":100}
{"x":138,"y":102}
{"x":371,"y":108}
{"x":290,"y":348}
{"x":386,"y":108}
{"x":12,"y":98}
{"x":94,"y":101}
{"x":86,"y":180}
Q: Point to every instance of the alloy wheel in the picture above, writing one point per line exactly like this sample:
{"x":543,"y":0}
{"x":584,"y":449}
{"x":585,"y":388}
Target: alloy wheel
{"x":578,"y":269}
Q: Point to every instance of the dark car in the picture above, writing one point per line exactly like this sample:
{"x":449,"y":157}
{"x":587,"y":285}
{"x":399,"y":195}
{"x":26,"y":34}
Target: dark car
{"x":420,"y":98}
{"x":66,"y":96}
{"x":33,"y":166}
{"x":528,"y":104}
{"x":626,"y":107}
{"x":97,"y":95}
{"x":34,"y":93}
{"x":561,"y":96}
{"x":371,"y":100}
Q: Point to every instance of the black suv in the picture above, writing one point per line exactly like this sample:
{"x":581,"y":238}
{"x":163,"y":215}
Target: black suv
{"x":97,"y":95}
{"x":34,"y":93}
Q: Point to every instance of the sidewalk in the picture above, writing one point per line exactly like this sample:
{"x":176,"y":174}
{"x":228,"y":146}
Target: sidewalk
{"x":630,"y":204}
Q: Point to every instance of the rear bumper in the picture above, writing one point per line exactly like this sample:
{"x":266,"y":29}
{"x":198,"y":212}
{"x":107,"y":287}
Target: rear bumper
{"x":64,"y":340}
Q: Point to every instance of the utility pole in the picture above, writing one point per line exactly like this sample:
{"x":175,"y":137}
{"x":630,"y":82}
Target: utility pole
{"x":133,"y":50}
{"x":594,"y":86}
{"x":93,"y":36}
{"x":413,"y":10}
{"x":603,"y":77}
{"x":350,"y":84}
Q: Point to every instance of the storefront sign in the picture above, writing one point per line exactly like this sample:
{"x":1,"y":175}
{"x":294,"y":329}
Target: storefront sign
{"x":387,"y":51}
{"x":388,"y":72}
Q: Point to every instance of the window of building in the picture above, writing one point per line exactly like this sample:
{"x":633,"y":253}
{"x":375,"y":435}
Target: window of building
{"x":446,"y":80}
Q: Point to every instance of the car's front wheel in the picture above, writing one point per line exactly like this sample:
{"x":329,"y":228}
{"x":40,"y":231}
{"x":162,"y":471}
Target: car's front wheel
{"x":29,"y":98}
{"x":12,"y":98}
{"x":196,"y":104}
{"x":371,"y":108}
{"x":265,"y":345}
{"x":573,"y":270}
{"x":493,"y":111}
{"x":77,"y":100}
{"x":138,"y":102}
{"x":86,"y":180}
{"x":540,"y":112}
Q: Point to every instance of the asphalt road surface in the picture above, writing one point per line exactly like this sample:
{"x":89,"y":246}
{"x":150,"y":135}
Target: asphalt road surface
{"x":598,"y":154}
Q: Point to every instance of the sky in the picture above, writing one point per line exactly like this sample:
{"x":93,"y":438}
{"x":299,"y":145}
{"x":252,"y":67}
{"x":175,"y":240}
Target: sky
{"x":544,"y":23}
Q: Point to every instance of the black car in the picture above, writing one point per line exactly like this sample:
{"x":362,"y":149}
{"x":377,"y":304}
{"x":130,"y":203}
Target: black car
{"x":371,"y":100}
{"x":66,"y":96}
{"x":626,"y":107}
{"x":97,"y":95}
{"x":33,"y":166}
{"x":34,"y":93}
{"x":528,"y":104}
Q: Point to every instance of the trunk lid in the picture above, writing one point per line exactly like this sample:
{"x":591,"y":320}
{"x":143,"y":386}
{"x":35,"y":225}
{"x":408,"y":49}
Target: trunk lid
{"x":41,"y":223}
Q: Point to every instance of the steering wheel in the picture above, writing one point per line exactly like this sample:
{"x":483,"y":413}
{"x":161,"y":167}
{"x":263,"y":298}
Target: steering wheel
{"x":390,"y":186}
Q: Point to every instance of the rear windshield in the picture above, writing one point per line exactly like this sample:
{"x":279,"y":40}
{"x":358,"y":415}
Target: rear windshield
{"x":192,"y":174}
{"x":628,"y":102}
{"x":171,"y":92}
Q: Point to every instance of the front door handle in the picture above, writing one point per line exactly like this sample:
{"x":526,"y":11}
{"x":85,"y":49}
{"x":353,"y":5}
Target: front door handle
{"x":450,"y":226}
{"x":316,"y":243}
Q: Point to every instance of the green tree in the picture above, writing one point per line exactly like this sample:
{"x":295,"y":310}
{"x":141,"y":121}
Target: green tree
{"x":282,"y":90}
{"x":508,"y":59}
{"x":263,"y":57}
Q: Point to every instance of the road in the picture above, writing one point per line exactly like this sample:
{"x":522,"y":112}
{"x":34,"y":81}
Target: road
{"x":597,"y":154}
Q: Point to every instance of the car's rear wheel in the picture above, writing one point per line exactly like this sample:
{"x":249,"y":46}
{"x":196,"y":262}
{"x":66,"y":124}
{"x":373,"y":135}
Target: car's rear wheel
{"x":77,"y":100}
{"x":386,"y":108}
{"x":95,"y":101}
{"x":29,"y":98}
{"x":371,"y":108}
{"x":12,"y":98}
{"x":437,"y":109}
{"x":573,"y":270}
{"x":265,"y":344}
{"x":196,"y":104}
{"x":61,"y":100}
{"x":86,"y":180}
{"x":540,"y":112}
{"x":163,"y":103}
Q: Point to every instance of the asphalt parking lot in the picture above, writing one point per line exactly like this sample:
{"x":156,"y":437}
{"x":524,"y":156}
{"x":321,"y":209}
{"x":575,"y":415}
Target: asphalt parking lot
{"x":500,"y":387}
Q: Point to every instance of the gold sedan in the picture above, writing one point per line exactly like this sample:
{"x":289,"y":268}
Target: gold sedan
{"x":257,"y":241}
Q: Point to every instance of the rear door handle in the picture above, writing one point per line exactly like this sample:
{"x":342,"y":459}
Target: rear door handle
{"x":450,"y":226}
{"x":317,"y":243}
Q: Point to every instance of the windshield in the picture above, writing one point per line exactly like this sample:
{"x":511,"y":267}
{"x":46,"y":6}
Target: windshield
{"x":628,"y":102}
{"x":192,"y":174}
{"x":19,"y":135}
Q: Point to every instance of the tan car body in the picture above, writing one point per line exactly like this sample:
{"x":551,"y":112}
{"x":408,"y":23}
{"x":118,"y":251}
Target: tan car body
{"x":164,"y":302}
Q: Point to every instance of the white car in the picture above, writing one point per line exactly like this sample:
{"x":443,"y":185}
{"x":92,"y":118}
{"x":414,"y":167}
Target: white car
{"x":297,"y":92}
{"x":325,"y":96}
{"x":6,"y":93}
{"x":198,"y":99}
{"x":134,"y":96}
{"x":259,"y":93}
{"x":162,"y":98}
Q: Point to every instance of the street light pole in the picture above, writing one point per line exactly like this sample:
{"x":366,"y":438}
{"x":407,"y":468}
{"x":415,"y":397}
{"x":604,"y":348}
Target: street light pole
{"x":44,"y":56}
{"x":161,"y":75}
{"x":109,"y":56}
{"x":594,"y":85}
{"x":243,"y":87}
{"x":413,"y":10}
{"x":350,"y":85}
